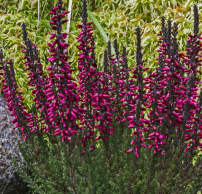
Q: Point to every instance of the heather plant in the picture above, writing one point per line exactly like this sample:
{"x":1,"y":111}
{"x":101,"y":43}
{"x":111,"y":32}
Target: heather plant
{"x":118,"y":19}
{"x":96,"y":137}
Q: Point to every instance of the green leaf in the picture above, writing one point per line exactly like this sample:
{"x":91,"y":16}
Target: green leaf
{"x":102,"y":32}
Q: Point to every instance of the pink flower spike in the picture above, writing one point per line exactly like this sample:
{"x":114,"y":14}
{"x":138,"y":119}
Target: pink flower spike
{"x":165,"y":69}
{"x":51,"y":59}
{"x":69,"y":139}
{"x":64,"y":45}
{"x":151,"y":145}
{"x":52,"y":35}
{"x":55,"y":8}
{"x":54,"y":17}
{"x":168,"y":60}
{"x":152,"y":134}
{"x":49,"y":68}
{"x":167,"y":96}
{"x":57,"y":133}
{"x":42,"y":109}
{"x":186,"y":150}
{"x":189,"y":40}
{"x":132,"y":142}
{"x":130,"y":117}
{"x":92,"y":146}
{"x":52,"y":22}
{"x":65,"y":12}
{"x":187,"y":138}
{"x":57,"y":130}
{"x":188,"y":144}
{"x":161,"y":136}
{"x":136,"y":148}
{"x":143,"y":145}
{"x":128,"y":151}
{"x":97,"y":138}
{"x":84,"y":151}
{"x":56,"y":75}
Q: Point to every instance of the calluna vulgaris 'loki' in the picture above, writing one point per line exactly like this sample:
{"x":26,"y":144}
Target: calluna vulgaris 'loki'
{"x":105,"y":98}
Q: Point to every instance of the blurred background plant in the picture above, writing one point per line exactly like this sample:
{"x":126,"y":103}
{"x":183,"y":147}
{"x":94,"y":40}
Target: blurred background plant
{"x":118,"y":19}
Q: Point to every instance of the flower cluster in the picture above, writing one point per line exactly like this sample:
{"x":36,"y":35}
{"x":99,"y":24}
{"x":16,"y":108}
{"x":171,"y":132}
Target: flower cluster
{"x":107,"y":97}
{"x":171,"y":95}
{"x":61,"y":90}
